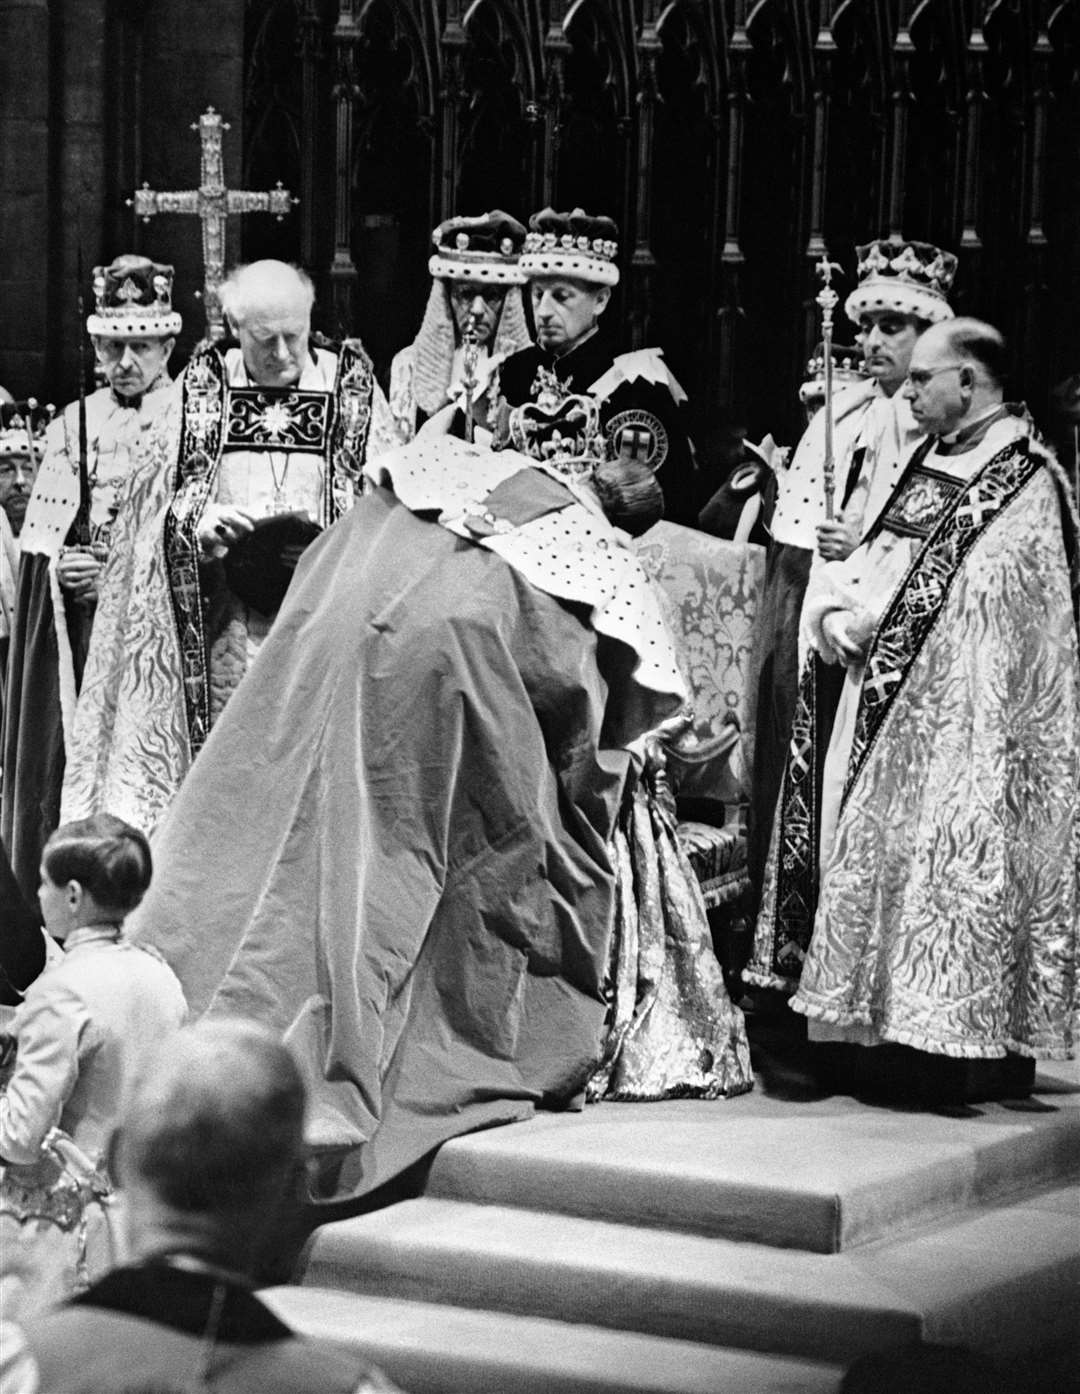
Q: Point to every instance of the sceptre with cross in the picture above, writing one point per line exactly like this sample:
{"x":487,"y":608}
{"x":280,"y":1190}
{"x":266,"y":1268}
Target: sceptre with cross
{"x":212,"y":203}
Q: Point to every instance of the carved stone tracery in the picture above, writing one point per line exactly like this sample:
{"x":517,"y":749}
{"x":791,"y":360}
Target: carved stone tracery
{"x":733,"y":140}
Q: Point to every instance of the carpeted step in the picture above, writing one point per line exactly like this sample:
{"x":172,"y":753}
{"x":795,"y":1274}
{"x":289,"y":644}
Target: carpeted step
{"x":430,"y":1348}
{"x":822,"y":1175}
{"x":988,"y":1277}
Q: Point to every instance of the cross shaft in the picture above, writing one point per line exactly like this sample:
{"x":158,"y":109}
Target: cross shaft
{"x":212,"y":203}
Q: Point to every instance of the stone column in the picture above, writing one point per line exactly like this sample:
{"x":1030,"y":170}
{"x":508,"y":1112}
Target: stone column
{"x":24,"y":210}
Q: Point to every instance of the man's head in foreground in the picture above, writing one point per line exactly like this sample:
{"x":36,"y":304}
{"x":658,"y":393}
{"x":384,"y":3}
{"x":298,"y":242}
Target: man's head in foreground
{"x":209,"y":1144}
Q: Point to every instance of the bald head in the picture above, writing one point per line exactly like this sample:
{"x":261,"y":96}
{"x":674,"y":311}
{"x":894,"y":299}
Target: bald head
{"x":956,"y":374}
{"x":973,"y":341}
{"x":214,"y":1122}
{"x":268,"y":304}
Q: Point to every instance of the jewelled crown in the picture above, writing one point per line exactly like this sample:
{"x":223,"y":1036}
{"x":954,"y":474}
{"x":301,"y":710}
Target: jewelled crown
{"x":133,"y":299}
{"x":483,"y":249}
{"x":912,"y":278}
{"x":572,"y":244}
{"x":847,"y":368}
{"x":22,"y":427}
{"x":560,"y":428}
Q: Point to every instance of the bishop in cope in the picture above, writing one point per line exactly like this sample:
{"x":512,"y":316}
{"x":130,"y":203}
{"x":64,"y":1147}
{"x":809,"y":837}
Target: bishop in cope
{"x":289,"y":424}
{"x":261,"y":450}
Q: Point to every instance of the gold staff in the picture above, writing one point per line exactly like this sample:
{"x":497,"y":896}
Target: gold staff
{"x":827,"y":299}
{"x":471,"y":339}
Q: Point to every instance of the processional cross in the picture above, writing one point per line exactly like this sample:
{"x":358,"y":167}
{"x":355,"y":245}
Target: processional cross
{"x":212,"y":203}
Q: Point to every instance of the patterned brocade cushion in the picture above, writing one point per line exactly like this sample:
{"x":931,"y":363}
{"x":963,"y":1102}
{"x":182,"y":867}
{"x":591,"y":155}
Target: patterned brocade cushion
{"x":717,"y":857}
{"x":710,"y":590}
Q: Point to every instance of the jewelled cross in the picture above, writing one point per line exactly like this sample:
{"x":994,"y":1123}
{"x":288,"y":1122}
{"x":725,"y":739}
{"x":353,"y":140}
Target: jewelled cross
{"x":212,"y":203}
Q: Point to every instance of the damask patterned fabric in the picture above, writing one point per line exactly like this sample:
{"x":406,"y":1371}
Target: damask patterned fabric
{"x":948,"y":912}
{"x":171,"y":639}
{"x":967,"y":801}
{"x":672,"y":1032}
{"x":711,"y":587}
{"x":117,"y":434}
{"x":50,"y":634}
{"x":122,"y":760}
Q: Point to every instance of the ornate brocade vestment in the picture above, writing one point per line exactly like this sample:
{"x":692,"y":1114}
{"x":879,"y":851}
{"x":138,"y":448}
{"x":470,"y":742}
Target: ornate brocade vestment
{"x":50,"y":634}
{"x":873,"y":437}
{"x":944,"y":819}
{"x":174,"y":640}
{"x":268,"y":451}
{"x":9,"y":566}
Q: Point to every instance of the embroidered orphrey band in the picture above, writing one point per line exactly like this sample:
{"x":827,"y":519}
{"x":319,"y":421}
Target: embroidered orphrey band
{"x":210,"y":425}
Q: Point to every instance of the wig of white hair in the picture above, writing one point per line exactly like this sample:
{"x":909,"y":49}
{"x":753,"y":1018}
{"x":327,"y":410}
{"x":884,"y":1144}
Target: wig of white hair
{"x":434,"y":346}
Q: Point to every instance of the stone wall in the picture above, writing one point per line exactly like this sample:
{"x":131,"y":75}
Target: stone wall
{"x":98,"y":95}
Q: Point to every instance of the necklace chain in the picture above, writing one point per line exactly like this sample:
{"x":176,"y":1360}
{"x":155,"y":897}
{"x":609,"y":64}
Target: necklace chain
{"x":279,"y":484}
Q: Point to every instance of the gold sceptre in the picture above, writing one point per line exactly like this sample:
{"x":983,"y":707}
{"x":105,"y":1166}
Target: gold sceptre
{"x":471,"y":339}
{"x":827,"y":299}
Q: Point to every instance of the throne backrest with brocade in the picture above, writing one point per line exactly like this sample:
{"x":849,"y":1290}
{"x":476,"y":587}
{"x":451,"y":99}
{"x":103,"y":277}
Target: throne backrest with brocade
{"x":710,"y":589}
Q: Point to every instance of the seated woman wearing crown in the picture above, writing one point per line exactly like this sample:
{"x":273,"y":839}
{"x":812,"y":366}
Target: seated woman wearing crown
{"x":424,"y":891}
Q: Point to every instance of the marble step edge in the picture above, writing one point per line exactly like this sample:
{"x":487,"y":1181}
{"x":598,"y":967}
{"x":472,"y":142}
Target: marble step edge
{"x":980,"y":1277}
{"x":435,"y":1348}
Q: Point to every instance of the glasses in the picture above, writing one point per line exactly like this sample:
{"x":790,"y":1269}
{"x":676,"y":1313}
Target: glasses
{"x":920,"y":378}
